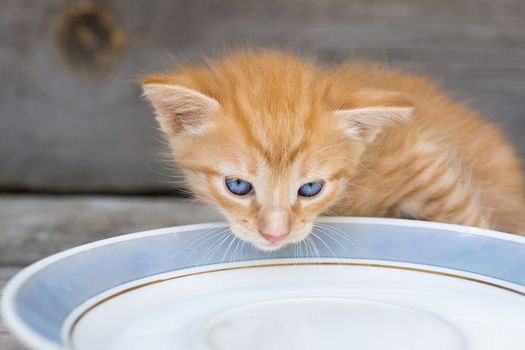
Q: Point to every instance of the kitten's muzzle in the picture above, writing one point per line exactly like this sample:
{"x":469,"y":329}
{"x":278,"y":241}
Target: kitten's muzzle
{"x":274,"y":237}
{"x":274,"y":223}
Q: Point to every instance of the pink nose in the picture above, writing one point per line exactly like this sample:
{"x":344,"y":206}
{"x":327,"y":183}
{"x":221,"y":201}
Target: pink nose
{"x":274,"y":236}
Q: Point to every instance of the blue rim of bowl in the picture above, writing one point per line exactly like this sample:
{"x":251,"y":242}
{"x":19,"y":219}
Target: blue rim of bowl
{"x":34,"y":340}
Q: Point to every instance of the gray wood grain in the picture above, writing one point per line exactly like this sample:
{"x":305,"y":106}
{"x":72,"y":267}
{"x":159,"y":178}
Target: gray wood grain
{"x":7,"y":341}
{"x":33,"y":227}
{"x":65,"y":131}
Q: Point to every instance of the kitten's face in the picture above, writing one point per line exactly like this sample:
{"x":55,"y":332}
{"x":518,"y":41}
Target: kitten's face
{"x":270,"y":189}
{"x":258,"y":136}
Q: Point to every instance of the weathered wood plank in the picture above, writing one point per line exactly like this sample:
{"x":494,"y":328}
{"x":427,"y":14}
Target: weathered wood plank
{"x":32,"y":227}
{"x":7,"y":341}
{"x":61,"y":130}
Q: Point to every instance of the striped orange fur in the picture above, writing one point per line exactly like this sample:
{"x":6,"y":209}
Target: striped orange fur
{"x":383,"y":142}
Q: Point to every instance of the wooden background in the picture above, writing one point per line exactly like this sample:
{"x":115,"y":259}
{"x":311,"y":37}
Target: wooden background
{"x":71,"y":116}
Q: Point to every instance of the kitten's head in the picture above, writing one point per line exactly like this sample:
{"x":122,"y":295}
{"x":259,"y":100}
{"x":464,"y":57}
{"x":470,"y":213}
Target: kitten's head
{"x":270,"y":139}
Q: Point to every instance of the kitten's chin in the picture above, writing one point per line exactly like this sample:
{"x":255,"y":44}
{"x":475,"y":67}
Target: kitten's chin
{"x":260,"y":243}
{"x":269,"y":247}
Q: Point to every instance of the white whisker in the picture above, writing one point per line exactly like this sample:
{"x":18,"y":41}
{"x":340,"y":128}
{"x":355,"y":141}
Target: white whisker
{"x":325,"y":244}
{"x":363,"y":251}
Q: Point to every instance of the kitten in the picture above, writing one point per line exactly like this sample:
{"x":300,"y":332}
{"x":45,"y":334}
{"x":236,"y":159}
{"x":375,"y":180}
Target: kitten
{"x":274,"y":141}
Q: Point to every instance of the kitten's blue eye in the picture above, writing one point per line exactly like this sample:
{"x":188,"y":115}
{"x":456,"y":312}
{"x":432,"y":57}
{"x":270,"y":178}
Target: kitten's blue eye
{"x":310,"y":189}
{"x":238,"y":186}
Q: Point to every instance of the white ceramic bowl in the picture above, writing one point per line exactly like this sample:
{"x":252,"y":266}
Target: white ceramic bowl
{"x":356,"y":283}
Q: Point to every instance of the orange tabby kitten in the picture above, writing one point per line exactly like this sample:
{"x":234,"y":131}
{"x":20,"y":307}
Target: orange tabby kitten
{"x":274,"y":141}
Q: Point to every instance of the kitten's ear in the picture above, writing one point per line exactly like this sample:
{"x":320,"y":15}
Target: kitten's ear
{"x":381,"y":109}
{"x":180,"y":110}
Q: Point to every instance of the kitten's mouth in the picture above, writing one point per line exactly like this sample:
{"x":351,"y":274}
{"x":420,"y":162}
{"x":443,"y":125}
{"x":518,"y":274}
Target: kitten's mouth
{"x":270,"y":246}
{"x":263,"y":244}
{"x":259,"y":242}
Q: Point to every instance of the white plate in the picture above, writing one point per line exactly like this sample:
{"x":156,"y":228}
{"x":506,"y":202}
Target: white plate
{"x":363,"y":284}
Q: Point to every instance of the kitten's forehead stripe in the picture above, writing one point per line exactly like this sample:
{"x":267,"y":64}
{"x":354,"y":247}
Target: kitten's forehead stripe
{"x":243,"y":124}
{"x":268,"y":103}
